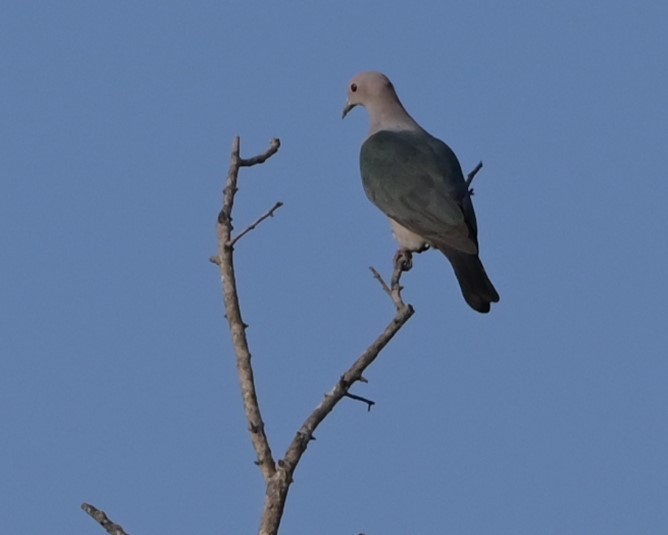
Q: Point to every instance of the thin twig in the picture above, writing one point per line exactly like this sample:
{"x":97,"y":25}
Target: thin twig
{"x":369,"y":402}
{"x":471,"y":176}
{"x":380,"y":279}
{"x":265,"y":459}
{"x":101,"y":518}
{"x":274,"y":145}
{"x":401,"y":265}
{"x":253,"y":226}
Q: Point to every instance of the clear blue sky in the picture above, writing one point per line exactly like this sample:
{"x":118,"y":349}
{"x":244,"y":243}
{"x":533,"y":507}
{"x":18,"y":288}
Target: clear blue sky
{"x":117,"y":378}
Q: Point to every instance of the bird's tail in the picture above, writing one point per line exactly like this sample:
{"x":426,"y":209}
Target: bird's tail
{"x":477,"y":289}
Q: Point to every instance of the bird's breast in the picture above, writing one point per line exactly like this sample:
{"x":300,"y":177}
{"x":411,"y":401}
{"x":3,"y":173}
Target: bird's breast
{"x":407,"y":239}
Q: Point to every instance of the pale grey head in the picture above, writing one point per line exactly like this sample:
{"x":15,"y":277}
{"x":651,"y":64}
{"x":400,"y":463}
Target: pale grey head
{"x":375,"y":92}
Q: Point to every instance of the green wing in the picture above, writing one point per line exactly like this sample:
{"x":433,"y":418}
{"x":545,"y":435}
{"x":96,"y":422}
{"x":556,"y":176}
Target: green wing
{"x":416,"y":180}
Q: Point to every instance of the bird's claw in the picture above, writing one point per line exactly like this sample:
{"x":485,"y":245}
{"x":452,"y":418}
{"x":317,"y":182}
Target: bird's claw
{"x":403,"y":260}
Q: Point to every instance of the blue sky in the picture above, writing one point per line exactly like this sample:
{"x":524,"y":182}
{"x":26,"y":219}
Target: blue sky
{"x":117,"y":378}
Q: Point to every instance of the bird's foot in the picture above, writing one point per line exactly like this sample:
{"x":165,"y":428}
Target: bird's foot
{"x":403,"y":260}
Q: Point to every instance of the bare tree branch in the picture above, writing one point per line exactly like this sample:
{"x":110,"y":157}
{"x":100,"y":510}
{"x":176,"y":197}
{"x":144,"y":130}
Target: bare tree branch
{"x":340,"y":389}
{"x":370,"y":403}
{"x":253,"y":226}
{"x":236,"y":162}
{"x":278,"y":475}
{"x":100,"y":517}
{"x":237,"y":326}
{"x":471,"y":176}
{"x":402,"y":263}
{"x":261,"y":158}
{"x":382,"y":282}
{"x":277,"y":490}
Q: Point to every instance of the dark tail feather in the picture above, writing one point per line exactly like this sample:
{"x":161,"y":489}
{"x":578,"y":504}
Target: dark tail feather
{"x":477,"y":289}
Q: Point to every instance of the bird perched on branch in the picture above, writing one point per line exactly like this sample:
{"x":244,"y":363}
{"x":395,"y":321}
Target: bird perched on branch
{"x":416,"y":180}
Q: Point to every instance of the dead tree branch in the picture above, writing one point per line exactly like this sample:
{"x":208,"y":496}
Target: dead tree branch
{"x":225,"y":261}
{"x":402,"y":263}
{"x":370,"y":403}
{"x":471,"y":176}
{"x":277,"y":489}
{"x":101,"y":518}
{"x":278,"y":475}
{"x":253,"y":226}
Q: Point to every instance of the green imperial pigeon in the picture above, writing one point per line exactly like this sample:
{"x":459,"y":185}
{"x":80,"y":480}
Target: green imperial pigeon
{"x":416,"y":180}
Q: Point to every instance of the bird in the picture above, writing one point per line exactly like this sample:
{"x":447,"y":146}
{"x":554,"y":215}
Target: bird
{"x":416,"y":180}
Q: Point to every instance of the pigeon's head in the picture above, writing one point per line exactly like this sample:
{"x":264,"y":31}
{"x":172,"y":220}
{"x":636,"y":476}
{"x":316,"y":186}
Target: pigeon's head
{"x":368,"y":88}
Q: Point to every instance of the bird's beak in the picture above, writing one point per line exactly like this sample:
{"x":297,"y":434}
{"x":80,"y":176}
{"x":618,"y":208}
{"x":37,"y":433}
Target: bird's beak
{"x":347,"y":108}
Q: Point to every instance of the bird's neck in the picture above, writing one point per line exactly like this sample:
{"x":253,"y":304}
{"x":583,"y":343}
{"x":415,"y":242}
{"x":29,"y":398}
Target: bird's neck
{"x":392,"y":117}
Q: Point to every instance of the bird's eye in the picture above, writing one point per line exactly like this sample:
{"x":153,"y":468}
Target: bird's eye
{"x":353,"y":87}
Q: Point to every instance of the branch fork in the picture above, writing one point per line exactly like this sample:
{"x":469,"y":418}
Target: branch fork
{"x":278,"y":474}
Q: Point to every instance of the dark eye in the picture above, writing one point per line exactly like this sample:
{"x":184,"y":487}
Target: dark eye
{"x":353,"y":87}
